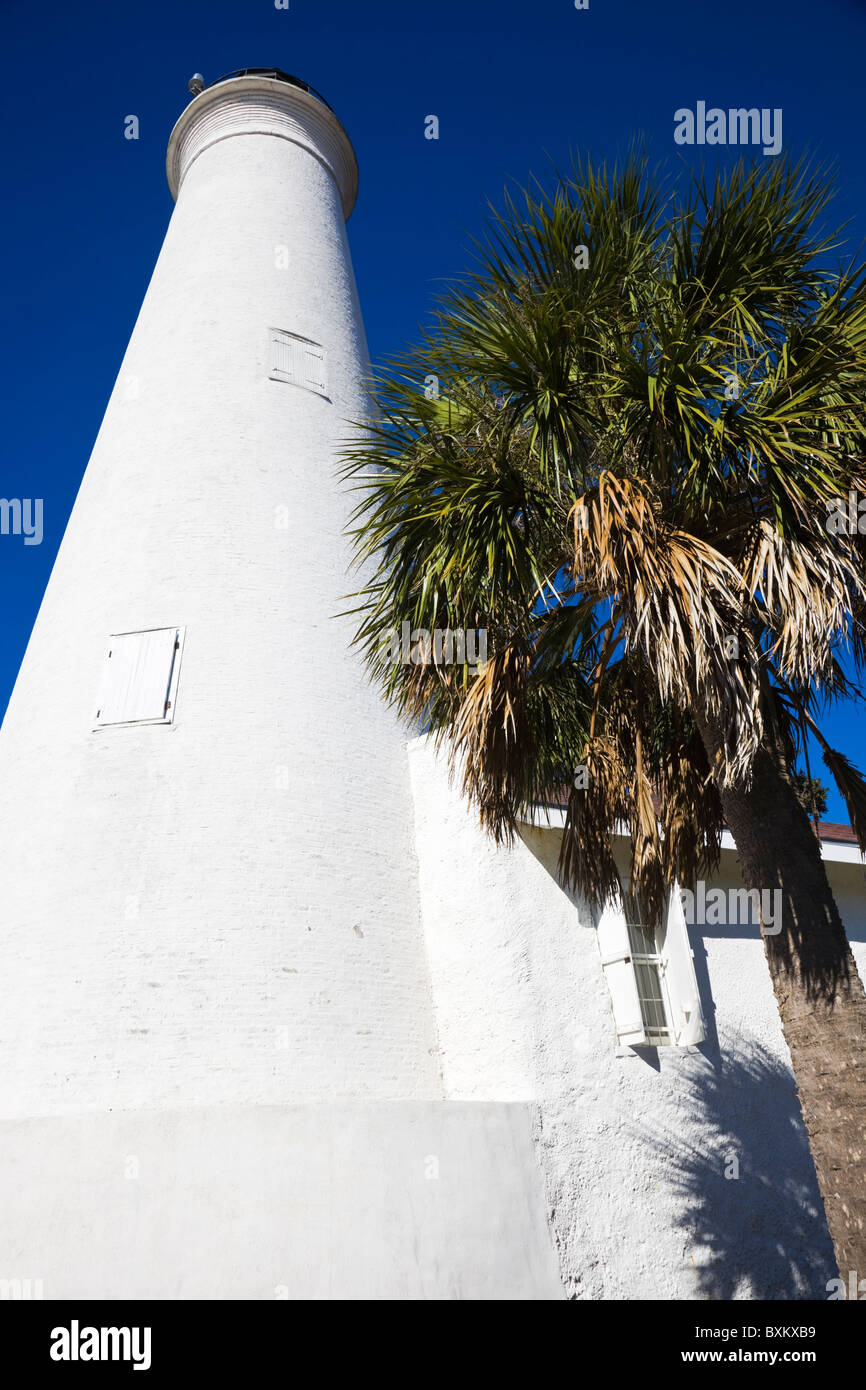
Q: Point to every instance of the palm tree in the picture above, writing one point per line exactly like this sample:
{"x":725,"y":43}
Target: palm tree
{"x":616,"y":451}
{"x":812,"y":793}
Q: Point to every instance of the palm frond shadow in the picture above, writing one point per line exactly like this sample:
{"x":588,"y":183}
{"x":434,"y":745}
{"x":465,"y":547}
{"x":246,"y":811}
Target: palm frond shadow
{"x":762,"y":1234}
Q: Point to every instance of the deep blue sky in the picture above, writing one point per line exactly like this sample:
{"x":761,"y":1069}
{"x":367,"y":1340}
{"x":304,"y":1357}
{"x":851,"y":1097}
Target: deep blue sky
{"x":515,"y":83}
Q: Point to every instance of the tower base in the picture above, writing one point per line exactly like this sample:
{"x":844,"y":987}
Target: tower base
{"x":397,"y":1200}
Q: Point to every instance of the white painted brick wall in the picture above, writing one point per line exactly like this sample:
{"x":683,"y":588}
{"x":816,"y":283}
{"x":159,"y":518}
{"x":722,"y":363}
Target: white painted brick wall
{"x":177,"y":928}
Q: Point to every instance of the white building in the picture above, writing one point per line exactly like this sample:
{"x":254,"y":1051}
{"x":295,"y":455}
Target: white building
{"x":277,"y":1021}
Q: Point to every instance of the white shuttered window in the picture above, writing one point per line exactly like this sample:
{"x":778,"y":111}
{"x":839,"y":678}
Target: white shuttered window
{"x":140,"y":677}
{"x":298,"y":360}
{"x":651,"y":978}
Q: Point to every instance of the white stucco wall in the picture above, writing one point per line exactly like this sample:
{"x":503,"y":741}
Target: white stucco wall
{"x":633,"y":1148}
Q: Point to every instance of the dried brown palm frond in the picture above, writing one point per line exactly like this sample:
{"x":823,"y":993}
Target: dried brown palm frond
{"x":803,"y":589}
{"x":646,"y":777}
{"x":587,"y":861}
{"x":681,"y":603}
{"x":852,"y":785}
{"x":493,"y":735}
{"x":690,"y":809}
{"x":648,"y":885}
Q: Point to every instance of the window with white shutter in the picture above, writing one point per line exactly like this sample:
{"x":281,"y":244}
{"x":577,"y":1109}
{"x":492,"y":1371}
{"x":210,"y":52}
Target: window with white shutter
{"x":140,"y":677}
{"x":651,"y":978}
{"x":298,"y":360}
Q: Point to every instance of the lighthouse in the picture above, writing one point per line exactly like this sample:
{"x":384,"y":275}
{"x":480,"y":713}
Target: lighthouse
{"x":222,"y":1074}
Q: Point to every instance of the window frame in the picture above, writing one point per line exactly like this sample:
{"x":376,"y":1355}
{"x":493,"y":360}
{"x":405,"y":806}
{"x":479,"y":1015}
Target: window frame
{"x":656,"y":1036}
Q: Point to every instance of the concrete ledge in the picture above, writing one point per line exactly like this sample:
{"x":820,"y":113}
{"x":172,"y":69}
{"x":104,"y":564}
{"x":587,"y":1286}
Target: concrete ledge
{"x":402,"y":1200}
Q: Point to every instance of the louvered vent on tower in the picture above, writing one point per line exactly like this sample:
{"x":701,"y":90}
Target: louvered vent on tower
{"x":298,"y":360}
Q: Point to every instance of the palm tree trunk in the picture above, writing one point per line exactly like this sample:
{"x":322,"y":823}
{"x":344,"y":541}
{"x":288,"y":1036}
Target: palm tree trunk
{"x":820,"y":996}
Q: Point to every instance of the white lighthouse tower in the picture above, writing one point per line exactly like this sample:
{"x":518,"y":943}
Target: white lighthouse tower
{"x":220,"y":1066}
